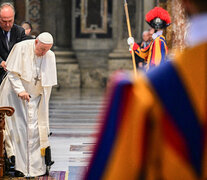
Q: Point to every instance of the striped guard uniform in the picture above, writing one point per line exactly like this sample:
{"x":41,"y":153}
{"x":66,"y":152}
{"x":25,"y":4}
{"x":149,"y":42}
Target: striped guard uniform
{"x":155,"y":127}
{"x":155,"y":53}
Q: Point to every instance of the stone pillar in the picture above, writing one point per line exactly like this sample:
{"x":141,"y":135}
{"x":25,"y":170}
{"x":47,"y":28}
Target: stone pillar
{"x":20,"y":8}
{"x":56,"y":19}
{"x":91,"y":40}
{"x":68,"y":70}
{"x":59,"y":21}
{"x":148,"y":5}
{"x":120,"y":58}
{"x":179,"y":25}
{"x":176,"y":32}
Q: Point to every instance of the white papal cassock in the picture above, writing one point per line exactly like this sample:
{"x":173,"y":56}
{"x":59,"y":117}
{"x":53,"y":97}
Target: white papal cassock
{"x":26,"y":132}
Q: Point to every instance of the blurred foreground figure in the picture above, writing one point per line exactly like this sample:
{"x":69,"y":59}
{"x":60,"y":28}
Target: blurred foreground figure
{"x":155,"y":126}
{"x":31,"y":74}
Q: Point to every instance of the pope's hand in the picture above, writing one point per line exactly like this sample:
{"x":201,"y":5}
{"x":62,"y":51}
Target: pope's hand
{"x":24,"y":95}
{"x":130,"y":41}
{"x":3,"y":64}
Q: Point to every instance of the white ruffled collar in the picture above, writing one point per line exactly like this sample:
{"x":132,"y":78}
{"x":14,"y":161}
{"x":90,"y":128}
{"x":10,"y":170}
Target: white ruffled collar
{"x":158,"y":33}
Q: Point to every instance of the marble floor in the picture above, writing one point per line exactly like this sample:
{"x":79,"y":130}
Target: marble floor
{"x":74,"y":125}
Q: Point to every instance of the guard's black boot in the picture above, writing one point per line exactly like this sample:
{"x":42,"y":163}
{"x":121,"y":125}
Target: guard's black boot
{"x":48,"y":160}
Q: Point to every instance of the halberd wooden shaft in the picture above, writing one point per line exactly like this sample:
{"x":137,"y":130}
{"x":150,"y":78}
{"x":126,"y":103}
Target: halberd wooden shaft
{"x":130,"y":35}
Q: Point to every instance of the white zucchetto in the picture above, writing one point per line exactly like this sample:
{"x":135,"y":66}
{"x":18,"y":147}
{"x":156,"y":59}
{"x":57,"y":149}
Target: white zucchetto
{"x":45,"y":38}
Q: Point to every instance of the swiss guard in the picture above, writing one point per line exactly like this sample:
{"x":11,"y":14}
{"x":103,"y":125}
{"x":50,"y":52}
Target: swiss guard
{"x":155,"y":53}
{"x":155,"y":125}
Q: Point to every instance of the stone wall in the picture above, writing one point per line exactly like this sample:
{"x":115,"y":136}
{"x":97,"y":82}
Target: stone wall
{"x":92,"y":40}
{"x":68,"y":70}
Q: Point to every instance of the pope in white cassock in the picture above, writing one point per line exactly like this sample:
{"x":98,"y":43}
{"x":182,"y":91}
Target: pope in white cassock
{"x":31,"y":74}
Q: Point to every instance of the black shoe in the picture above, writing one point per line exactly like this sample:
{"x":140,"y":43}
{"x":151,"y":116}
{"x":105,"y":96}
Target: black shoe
{"x":9,"y":165}
{"x":48,"y":160}
{"x":12,"y":160}
{"x":50,"y":163}
{"x":18,"y":174}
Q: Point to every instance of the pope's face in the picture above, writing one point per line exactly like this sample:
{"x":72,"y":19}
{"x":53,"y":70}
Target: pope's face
{"x":6,"y":18}
{"x":41,"y":48}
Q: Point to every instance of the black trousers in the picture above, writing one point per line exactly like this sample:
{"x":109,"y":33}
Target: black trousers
{"x":2,"y":74}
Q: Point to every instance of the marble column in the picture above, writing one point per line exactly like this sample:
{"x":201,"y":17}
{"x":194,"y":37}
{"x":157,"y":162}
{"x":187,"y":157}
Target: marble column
{"x":176,"y":32}
{"x":120,"y":58}
{"x":179,"y":25}
{"x":148,"y":5}
{"x":59,"y":21}
{"x":56,"y":19}
{"x":20,"y":8}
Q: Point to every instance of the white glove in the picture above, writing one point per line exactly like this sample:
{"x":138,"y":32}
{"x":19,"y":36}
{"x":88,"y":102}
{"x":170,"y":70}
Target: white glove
{"x":130,"y":41}
{"x":130,"y":49}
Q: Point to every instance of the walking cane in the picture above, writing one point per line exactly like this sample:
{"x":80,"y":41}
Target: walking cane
{"x":130,"y":35}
